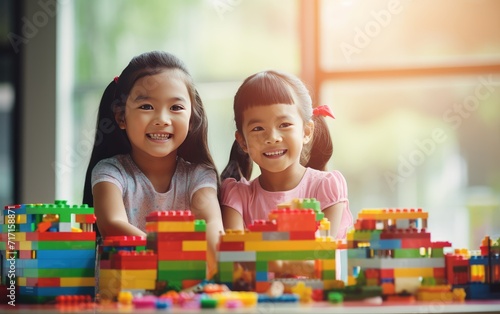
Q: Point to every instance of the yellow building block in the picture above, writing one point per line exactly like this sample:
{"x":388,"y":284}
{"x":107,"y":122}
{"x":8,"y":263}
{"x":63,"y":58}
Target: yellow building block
{"x":324,"y":224}
{"x":413,"y":272}
{"x":351,"y":280}
{"x":112,"y":281}
{"x":370,"y":213}
{"x":323,"y":246}
{"x":247,"y":298}
{"x":350,"y":235}
{"x":287,"y":245}
{"x":194,"y":245}
{"x":362,"y":235}
{"x":240,"y":236}
{"x":77,"y":282}
{"x":139,"y":284}
{"x":328,"y":264}
{"x":25,"y":245}
{"x":441,"y":293}
{"x":21,"y":219}
{"x":172,"y":226}
{"x":16,"y":236}
{"x":384,"y":214}
{"x":127,"y":274}
{"x":435,"y":296}
{"x":333,"y":284}
{"x":21,"y":281}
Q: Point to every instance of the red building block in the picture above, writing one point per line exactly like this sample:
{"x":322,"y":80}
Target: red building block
{"x":171,"y":215}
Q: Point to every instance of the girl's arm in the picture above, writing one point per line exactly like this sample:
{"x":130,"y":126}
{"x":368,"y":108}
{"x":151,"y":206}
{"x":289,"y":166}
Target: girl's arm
{"x":334,"y":215}
{"x":232,"y":219}
{"x":205,"y":205}
{"x":110,"y":212}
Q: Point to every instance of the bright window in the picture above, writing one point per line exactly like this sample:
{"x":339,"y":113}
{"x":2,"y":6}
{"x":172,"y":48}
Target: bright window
{"x":415,"y":87}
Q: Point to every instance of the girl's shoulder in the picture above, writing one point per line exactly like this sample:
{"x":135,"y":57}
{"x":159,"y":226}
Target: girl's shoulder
{"x":187,"y":167}
{"x":321,"y":174}
{"x":117,"y":161}
{"x":318,"y":177}
{"x":233,"y":184}
{"x":195,"y":175}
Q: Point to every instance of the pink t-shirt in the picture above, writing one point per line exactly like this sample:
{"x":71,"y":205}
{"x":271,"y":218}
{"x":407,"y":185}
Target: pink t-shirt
{"x":253,"y":202}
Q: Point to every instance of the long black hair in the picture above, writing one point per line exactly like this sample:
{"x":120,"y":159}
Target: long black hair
{"x":269,"y":88}
{"x":110,"y":140}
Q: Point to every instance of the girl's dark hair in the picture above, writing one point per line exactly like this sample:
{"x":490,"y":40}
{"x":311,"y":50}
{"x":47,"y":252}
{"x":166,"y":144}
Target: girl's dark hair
{"x":110,"y":140}
{"x":269,"y":88}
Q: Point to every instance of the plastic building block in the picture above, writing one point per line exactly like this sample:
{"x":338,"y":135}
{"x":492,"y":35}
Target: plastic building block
{"x":50,"y":262}
{"x":304,"y":292}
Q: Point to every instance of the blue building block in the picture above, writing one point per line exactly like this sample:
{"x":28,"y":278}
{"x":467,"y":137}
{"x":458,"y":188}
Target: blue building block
{"x":285,"y":298}
{"x":262,"y":276}
{"x":386,"y":244}
{"x":54,"y":263}
{"x":55,"y":291}
{"x":478,"y":260}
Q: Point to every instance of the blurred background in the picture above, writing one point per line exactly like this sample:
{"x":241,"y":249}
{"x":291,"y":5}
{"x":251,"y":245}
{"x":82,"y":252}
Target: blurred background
{"x":414,"y":85}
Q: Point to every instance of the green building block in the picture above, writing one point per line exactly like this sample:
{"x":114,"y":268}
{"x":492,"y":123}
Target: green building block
{"x":208,"y":303}
{"x":261,"y":266}
{"x":335,"y":297}
{"x":63,"y":245}
{"x":182,"y":265}
{"x":437,"y":252}
{"x":226,"y":276}
{"x":226,"y":266}
{"x":328,"y":274}
{"x":407,"y":253}
{"x":58,"y":273}
{"x":176,"y":275}
{"x":311,"y":203}
{"x":200,"y":226}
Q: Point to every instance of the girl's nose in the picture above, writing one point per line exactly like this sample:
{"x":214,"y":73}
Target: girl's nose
{"x":163,"y":118}
{"x":272,"y":137}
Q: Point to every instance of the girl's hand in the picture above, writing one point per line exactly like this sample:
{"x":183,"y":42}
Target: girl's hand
{"x":110,"y":212}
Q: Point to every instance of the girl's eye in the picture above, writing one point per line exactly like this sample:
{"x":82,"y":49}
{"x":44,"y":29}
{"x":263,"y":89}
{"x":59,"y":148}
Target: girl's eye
{"x":146,"y":107}
{"x":285,"y":124}
{"x":258,"y":128}
{"x":177,"y":108}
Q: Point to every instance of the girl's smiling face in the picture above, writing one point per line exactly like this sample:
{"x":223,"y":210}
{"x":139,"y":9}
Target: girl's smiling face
{"x":157,"y":114}
{"x":273,"y":136}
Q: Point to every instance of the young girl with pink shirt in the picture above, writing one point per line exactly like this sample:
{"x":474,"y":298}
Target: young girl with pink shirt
{"x":278,"y":129}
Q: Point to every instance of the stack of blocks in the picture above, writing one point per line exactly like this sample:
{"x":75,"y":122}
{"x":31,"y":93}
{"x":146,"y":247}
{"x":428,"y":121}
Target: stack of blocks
{"x":393,"y":249}
{"x":125,"y":264}
{"x":180,"y":242}
{"x":478,"y":273}
{"x":290,"y":234}
{"x":48,"y":256}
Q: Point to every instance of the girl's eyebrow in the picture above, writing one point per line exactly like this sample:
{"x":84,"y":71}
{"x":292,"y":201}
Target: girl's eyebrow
{"x":146,"y":97}
{"x":141,"y":97}
{"x":257,"y":120}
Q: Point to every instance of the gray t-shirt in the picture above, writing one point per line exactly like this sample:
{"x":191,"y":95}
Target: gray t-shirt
{"x":139,"y":196}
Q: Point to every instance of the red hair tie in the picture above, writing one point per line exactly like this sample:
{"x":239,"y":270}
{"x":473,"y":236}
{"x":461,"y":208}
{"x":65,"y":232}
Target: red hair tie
{"x":116,"y":79}
{"x":323,"y":111}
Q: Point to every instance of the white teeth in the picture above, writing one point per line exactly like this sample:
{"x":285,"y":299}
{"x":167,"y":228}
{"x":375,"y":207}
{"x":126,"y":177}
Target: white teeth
{"x":159,"y":136}
{"x":276,"y":153}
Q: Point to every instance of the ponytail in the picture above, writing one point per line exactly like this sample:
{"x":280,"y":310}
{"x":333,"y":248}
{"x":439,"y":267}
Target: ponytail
{"x":239,"y":165}
{"x":320,"y":149}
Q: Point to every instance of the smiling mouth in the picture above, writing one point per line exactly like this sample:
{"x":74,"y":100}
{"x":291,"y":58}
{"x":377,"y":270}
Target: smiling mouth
{"x":276,"y":153}
{"x":159,"y":136}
